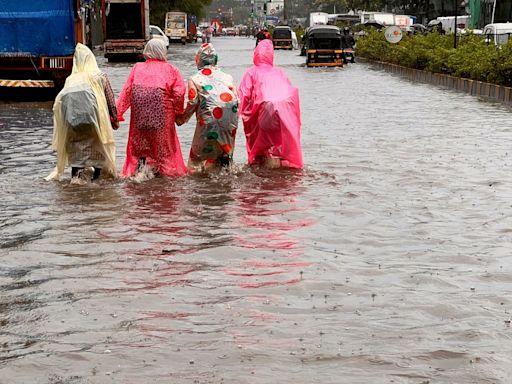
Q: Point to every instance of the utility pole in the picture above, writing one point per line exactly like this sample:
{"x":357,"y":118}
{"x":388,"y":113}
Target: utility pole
{"x":285,"y":12}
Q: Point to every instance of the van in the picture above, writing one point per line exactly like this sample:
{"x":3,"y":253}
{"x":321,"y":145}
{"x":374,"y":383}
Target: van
{"x":497,"y":33}
{"x":156,"y":33}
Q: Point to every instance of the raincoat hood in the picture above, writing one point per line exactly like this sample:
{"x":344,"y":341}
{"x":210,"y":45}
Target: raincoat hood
{"x":264,"y":53}
{"x":206,"y":55}
{"x":155,"y":49}
{"x":84,"y":61}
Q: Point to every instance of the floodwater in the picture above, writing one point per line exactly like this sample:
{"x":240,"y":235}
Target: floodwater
{"x":386,"y":260}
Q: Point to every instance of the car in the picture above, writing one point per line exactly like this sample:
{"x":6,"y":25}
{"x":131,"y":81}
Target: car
{"x":229,"y":31}
{"x":155,"y":32}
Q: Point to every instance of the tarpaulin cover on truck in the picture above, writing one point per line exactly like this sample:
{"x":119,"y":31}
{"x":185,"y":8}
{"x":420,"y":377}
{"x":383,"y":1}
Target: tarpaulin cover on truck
{"x":37,"y":27}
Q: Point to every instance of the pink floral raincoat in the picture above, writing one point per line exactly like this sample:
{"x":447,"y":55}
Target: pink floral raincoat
{"x":155,"y":93}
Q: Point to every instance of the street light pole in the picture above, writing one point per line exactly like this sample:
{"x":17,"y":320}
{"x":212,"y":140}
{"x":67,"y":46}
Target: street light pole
{"x":455,"y":29}
{"x":265,"y":13}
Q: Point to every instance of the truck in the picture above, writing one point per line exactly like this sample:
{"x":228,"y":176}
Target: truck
{"x":126,"y":28}
{"x":176,"y":26}
{"x":37,"y":42}
{"x":318,"y":18}
{"x":386,"y":19}
{"x":448,"y":22}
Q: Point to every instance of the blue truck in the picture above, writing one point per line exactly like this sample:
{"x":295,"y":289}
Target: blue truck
{"x":37,"y":42}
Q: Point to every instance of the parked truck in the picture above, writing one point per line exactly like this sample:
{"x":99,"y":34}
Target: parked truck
{"x":37,"y":42}
{"x":177,"y":26}
{"x":126,"y":28}
{"x":318,"y":18}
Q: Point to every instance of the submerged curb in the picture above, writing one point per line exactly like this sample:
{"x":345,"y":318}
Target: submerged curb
{"x":476,"y":88}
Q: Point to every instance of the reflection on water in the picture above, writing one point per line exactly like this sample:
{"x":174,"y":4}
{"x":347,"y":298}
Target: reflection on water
{"x":386,"y":260}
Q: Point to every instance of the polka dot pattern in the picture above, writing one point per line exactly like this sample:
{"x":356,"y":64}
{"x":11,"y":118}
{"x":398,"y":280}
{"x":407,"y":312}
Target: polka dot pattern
{"x":227,"y":148}
{"x":226,"y":97}
{"x":191,"y":93}
{"x":212,"y":135}
{"x":217,"y":117}
{"x":217,"y":113}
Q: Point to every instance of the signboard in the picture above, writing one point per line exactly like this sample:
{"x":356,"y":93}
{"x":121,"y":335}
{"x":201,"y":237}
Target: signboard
{"x":275,"y":7}
{"x":215,"y":24}
{"x":393,"y":34}
{"x":273,"y":20}
{"x":402,"y":21}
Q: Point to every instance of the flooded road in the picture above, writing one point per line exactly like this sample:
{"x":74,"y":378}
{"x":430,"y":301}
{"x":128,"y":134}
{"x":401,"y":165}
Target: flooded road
{"x":387,"y":260}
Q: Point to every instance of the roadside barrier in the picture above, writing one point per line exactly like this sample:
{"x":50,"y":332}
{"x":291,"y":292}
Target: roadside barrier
{"x":476,"y":88}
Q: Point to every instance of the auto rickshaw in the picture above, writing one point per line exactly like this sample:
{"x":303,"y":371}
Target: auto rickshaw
{"x":282,"y":37}
{"x":323,"y":46}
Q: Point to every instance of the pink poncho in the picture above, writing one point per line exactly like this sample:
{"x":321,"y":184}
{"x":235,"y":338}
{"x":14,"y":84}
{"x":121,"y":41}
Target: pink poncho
{"x":155,"y":92}
{"x":270,"y":111}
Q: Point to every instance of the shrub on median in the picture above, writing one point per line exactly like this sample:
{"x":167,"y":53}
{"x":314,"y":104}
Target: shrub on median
{"x":472,"y":59}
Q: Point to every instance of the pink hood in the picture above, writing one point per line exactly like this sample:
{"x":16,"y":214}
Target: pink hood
{"x":264,"y":53}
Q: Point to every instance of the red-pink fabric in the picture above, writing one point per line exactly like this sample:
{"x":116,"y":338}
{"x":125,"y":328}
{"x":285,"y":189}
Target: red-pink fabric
{"x":270,"y":110}
{"x":155,"y":92}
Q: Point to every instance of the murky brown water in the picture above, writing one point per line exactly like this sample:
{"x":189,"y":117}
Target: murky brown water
{"x":387,"y":260}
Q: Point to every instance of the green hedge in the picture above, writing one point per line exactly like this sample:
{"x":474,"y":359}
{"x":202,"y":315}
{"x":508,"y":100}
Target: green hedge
{"x":473,"y":58}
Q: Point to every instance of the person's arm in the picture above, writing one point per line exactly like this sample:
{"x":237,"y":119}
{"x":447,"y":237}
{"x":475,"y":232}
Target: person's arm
{"x":245,"y":93}
{"x":178,"y":92}
{"x":232,"y":87}
{"x":111,"y":102}
{"x":192,"y":104}
{"x":125,"y":97}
